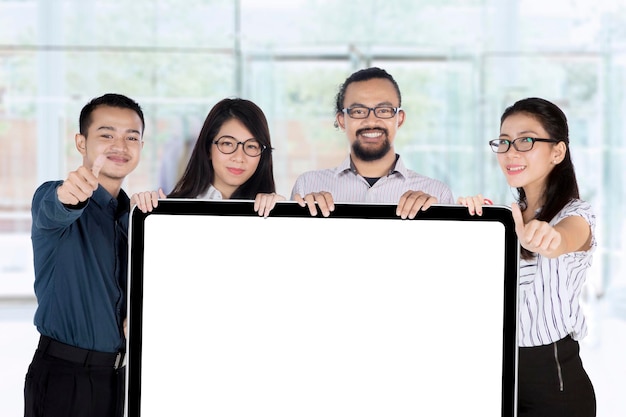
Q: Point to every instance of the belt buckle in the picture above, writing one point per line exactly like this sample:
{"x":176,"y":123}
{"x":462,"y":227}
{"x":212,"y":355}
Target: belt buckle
{"x":119,"y":360}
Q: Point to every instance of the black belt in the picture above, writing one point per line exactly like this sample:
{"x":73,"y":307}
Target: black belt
{"x":80,"y":356}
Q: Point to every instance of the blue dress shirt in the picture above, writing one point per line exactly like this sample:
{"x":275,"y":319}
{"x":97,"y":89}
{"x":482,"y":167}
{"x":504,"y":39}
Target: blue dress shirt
{"x":80,"y":256}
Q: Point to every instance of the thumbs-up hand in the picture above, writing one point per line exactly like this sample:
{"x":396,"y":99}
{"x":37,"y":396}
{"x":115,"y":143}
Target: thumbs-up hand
{"x":80,"y":184}
{"x":536,"y":236}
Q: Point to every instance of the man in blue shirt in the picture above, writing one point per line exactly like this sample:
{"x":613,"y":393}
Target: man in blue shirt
{"x":80,"y":248}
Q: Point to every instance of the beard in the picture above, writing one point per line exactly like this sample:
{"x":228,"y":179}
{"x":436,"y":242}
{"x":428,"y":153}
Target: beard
{"x":371,"y":154}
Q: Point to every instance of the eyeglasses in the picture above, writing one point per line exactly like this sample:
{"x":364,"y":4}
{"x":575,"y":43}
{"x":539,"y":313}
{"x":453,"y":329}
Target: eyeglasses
{"x":520,"y":144}
{"x":362,"y":112}
{"x":228,"y":145}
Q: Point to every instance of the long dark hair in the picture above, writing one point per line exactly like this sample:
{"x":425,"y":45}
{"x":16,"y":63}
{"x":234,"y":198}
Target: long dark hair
{"x":199,"y":174}
{"x":561,"y":186}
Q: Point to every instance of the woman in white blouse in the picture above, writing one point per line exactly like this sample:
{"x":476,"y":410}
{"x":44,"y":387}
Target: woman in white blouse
{"x":555,"y":229}
{"x":232,"y":159}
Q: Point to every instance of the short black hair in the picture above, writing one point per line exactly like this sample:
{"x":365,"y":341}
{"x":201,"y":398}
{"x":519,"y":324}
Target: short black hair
{"x":364,"y":75}
{"x":111,"y":100}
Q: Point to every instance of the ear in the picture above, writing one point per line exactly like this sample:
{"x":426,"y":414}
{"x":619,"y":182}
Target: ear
{"x":401,"y":116}
{"x":340,"y":119}
{"x":558,"y":152}
{"x":81,"y":144}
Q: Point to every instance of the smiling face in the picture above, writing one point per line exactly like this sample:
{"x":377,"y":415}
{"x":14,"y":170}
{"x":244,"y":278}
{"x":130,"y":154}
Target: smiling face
{"x":371,"y":138}
{"x":530,"y":169}
{"x":232,"y":170}
{"x":115,"y":133}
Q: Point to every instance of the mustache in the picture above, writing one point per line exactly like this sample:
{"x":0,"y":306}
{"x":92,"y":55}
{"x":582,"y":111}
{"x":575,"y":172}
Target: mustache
{"x":381,"y":129}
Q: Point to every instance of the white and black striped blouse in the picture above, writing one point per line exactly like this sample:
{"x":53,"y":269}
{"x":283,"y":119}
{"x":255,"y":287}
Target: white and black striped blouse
{"x":549,"y":298}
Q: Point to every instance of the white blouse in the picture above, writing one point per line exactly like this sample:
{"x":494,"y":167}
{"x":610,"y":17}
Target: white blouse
{"x":211,"y":194}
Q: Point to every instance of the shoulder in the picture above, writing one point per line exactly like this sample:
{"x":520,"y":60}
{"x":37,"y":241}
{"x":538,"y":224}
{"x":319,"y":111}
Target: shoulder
{"x":324,"y":174}
{"x":415,"y":176}
{"x":46,"y":190}
{"x":430,"y":185}
{"x":47,"y":186}
{"x":318,"y":180}
{"x":319,"y":173}
{"x":580,"y":208}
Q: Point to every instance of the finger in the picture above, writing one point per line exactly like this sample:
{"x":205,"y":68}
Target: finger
{"x":260,"y":202}
{"x":144,"y":202}
{"x":309,"y":200}
{"x":322,"y":206}
{"x":84,"y":179}
{"x":299,"y":200}
{"x":415,"y":208}
{"x":402,"y":203}
{"x":425,"y":201}
{"x":469,"y":203}
{"x":66,"y":193}
{"x":328,"y":198}
{"x":325,"y":203}
{"x":410,"y":203}
{"x":137,"y":199}
{"x":147,"y":201}
{"x":162,"y":195}
{"x":539,"y":243}
{"x":77,"y":188}
{"x":517,"y":218}
{"x":478,"y":204}
{"x":555,"y":242}
{"x":133,"y":200}
{"x":270,"y":204}
{"x":152,"y":200}
{"x":535,"y":235}
{"x":97,"y":165}
{"x":545,"y":238}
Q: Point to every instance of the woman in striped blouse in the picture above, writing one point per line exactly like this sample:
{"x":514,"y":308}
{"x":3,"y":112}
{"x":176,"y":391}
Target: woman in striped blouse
{"x":555,"y":229}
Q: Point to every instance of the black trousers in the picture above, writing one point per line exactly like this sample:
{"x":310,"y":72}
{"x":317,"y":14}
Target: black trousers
{"x":553,"y":382}
{"x":64,"y":388}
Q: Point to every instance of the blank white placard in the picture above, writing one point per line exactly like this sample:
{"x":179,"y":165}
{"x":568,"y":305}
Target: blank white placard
{"x":303,"y":316}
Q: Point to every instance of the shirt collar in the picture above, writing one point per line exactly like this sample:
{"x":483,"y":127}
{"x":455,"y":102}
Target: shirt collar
{"x":104,"y":199}
{"x":398,"y":166}
{"x":211,"y":193}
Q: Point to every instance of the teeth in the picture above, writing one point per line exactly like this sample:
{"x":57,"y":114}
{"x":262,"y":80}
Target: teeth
{"x":515,"y":168}
{"x":372,"y":134}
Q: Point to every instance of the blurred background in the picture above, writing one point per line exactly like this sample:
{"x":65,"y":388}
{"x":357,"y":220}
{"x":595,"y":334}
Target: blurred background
{"x":459,"y":64}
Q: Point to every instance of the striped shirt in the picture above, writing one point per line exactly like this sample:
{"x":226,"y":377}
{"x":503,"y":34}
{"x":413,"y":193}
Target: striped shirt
{"x":549,"y":307}
{"x":347,"y":186}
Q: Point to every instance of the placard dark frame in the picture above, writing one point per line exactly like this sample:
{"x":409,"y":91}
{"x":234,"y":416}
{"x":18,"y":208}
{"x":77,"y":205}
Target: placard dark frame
{"x":182,"y":207}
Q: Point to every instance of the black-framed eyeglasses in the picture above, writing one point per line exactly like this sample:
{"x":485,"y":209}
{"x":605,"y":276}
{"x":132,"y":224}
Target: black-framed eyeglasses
{"x":362,"y":112}
{"x":228,"y":145}
{"x":520,"y":144}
